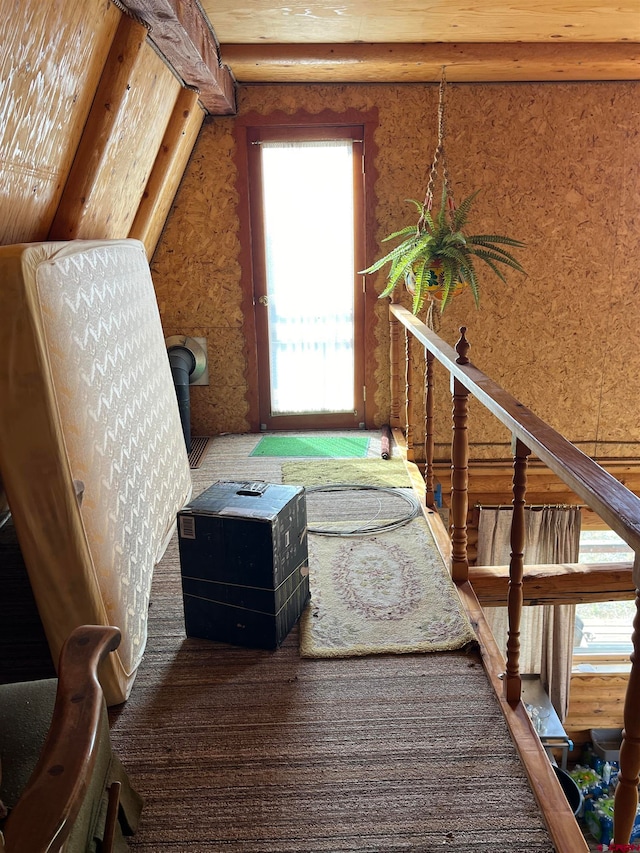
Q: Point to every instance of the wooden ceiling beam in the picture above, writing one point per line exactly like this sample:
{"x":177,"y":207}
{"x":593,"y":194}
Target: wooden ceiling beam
{"x":184,"y":38}
{"x":413,"y":63}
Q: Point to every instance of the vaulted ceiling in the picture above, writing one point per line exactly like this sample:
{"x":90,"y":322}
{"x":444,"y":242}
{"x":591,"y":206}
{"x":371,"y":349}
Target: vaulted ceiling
{"x":372,"y":41}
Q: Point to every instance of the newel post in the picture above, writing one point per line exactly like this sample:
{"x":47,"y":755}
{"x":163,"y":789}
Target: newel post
{"x":626,"y":796}
{"x":513,"y":681}
{"x":460,"y":470}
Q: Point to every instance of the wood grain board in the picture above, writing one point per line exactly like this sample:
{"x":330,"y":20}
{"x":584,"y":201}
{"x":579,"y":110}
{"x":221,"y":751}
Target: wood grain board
{"x":256,"y":21}
{"x":46,"y":91}
{"x":118,"y":147}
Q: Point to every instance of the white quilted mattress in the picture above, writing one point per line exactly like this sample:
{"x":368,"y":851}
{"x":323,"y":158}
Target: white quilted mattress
{"x":88,"y":406}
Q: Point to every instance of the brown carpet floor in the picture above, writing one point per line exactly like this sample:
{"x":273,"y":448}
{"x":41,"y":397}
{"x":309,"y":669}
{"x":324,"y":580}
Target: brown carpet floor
{"x":264,"y":752}
{"x":252,"y":751}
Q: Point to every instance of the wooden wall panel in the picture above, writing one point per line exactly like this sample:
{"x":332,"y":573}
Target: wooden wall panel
{"x":52,"y":58}
{"x":556,"y":166}
{"x":448,"y":21}
{"x":595,"y":702}
{"x":175,"y":150}
{"x":132,"y":107}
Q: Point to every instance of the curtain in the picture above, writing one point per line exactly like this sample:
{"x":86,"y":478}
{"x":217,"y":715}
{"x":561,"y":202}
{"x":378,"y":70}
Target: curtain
{"x":552,"y":535}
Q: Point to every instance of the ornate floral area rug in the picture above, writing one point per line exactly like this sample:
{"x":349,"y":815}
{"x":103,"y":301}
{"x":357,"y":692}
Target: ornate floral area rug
{"x":387,"y":593}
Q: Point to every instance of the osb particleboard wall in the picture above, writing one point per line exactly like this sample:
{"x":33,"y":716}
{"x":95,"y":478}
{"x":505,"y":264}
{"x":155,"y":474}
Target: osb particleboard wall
{"x":558,"y":167}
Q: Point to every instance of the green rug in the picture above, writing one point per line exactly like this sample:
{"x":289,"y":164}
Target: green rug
{"x":365,"y":472}
{"x":302,"y":445}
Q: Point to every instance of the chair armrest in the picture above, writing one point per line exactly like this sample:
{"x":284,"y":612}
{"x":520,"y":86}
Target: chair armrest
{"x":45,"y":813}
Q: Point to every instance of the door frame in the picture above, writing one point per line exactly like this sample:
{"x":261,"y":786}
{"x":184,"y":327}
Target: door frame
{"x":368,"y":121}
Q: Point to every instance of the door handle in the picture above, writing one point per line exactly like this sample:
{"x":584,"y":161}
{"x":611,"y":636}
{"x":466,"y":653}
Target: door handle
{"x":263,"y":300}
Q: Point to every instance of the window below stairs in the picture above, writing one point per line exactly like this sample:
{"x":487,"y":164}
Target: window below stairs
{"x":602,"y":640}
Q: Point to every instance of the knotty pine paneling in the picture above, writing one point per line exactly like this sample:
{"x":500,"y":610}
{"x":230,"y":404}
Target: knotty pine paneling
{"x":168,"y":168}
{"x":449,"y":21}
{"x":84,"y":103}
{"x":124,"y":130}
{"x":555,"y":166}
{"x":51,"y":62}
{"x":596,"y":702}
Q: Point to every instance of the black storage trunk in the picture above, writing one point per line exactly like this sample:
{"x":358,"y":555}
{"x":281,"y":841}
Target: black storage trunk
{"x":244,"y":562}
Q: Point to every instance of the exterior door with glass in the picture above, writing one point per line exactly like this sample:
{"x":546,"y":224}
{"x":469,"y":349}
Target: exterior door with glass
{"x":307,"y":241}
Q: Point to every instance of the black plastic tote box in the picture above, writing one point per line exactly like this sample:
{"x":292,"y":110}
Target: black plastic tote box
{"x":244,"y":562}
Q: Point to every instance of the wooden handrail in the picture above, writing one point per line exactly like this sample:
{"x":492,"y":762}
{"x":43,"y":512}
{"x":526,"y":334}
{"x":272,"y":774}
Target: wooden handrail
{"x":618,"y":507}
{"x":614,"y":503}
{"x":565,"y":583}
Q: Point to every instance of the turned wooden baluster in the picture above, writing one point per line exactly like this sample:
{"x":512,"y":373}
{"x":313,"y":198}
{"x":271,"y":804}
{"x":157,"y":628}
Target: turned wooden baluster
{"x":394,"y":367}
{"x":429,"y":438}
{"x":460,"y":470}
{"x":626,"y":797}
{"x":512,"y":680}
{"x":408,"y":337}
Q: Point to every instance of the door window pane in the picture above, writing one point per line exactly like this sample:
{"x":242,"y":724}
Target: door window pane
{"x":308,"y":209}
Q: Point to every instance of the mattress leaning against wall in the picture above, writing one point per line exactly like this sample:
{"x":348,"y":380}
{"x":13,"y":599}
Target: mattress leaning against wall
{"x":88,"y":405}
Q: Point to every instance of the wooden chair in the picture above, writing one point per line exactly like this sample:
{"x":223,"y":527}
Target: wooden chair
{"x":64,"y":788}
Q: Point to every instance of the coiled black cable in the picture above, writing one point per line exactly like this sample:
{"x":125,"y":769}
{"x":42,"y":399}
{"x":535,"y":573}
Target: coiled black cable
{"x":403,"y":494}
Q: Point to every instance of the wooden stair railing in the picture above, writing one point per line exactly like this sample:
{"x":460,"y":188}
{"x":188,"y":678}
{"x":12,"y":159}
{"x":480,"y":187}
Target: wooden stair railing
{"x":613,"y":502}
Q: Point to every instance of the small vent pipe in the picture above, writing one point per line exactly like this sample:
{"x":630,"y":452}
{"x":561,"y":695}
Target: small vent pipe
{"x":187,"y":360}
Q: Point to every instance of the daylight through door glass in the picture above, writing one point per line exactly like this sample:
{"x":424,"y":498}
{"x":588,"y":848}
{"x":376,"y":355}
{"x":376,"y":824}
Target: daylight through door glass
{"x":308,"y":211}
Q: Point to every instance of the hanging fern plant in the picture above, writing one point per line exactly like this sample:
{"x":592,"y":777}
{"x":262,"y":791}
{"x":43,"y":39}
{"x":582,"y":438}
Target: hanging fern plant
{"x":435,"y":257}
